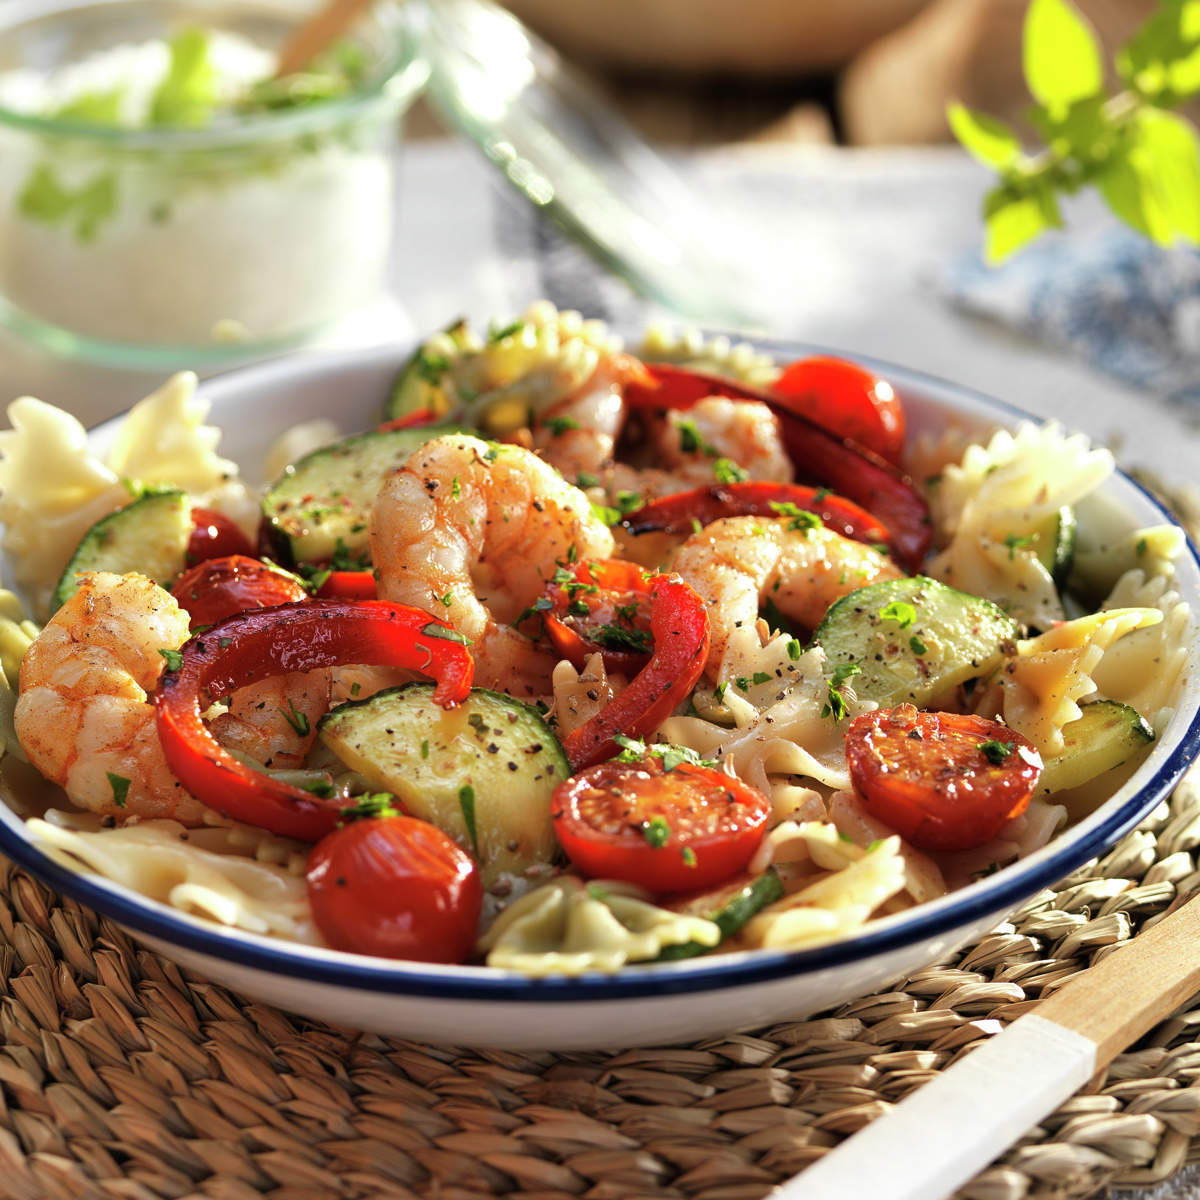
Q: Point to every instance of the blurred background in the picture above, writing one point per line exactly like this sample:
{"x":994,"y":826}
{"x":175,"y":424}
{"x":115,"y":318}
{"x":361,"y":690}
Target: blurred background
{"x":856,"y":72}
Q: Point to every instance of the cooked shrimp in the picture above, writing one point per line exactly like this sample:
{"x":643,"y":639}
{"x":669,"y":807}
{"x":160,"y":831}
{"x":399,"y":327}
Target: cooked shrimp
{"x":578,"y":434}
{"x":743,"y":431}
{"x":82,"y":715}
{"x":472,"y":532}
{"x":688,"y":445}
{"x":274,"y":721}
{"x":738,"y":562}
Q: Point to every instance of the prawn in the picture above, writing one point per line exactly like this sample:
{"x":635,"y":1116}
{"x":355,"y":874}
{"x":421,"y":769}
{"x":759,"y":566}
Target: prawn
{"x":473,"y":532}
{"x":83,"y":717}
{"x":688,"y":446}
{"x":578,"y":434}
{"x":85,"y":721}
{"x":738,"y":562}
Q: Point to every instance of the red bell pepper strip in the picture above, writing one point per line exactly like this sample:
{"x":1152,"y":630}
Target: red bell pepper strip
{"x":418,"y":416}
{"x":348,"y":585}
{"x":818,"y":456}
{"x":264,"y":642}
{"x":679,"y":625}
{"x":599,"y":607}
{"x":679,"y":513}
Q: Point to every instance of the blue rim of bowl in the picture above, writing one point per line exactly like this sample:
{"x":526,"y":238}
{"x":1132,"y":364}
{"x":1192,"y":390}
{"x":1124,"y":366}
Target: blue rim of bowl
{"x":986,"y":898}
{"x":396,"y":83}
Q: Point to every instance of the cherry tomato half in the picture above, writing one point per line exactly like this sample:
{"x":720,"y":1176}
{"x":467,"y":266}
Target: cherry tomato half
{"x":214,"y":535}
{"x":847,"y":400}
{"x":943,"y":781}
{"x":601,"y":605}
{"x":665,"y":830}
{"x":396,"y":887}
{"x":220,"y":587}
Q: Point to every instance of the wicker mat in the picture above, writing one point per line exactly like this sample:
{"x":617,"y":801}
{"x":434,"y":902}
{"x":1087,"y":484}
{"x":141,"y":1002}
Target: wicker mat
{"x":125,"y":1077}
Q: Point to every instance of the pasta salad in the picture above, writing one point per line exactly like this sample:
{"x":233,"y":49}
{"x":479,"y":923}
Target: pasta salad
{"x":577,"y":658}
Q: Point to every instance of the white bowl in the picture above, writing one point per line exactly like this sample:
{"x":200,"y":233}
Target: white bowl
{"x":669,"y":1002}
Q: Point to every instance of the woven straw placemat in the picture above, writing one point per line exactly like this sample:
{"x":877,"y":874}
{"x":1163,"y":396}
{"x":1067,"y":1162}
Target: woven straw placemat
{"x":123,"y":1076}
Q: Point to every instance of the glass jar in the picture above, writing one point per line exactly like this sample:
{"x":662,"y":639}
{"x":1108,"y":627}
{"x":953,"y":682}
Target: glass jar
{"x":151,"y":246}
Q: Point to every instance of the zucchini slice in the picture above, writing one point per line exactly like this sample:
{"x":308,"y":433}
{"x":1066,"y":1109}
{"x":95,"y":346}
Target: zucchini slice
{"x":1054,"y":544}
{"x":483,"y":772}
{"x":914,"y":639}
{"x":149,"y":535}
{"x":1106,"y":734}
{"x":322,"y":502}
{"x":729,"y":907}
{"x":423,"y":381}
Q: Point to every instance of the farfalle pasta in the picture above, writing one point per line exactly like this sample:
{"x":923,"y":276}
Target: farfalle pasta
{"x":638,"y":686}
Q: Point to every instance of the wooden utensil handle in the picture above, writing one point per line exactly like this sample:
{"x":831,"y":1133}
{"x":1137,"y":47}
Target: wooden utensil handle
{"x":1128,"y":992}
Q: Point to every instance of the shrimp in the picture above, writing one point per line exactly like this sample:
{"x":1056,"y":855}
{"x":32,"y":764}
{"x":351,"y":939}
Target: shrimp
{"x":83,"y":716}
{"x":738,"y":562}
{"x":578,"y":434}
{"x":472,"y":532}
{"x":274,"y":721}
{"x":743,"y":431}
{"x":687,"y":446}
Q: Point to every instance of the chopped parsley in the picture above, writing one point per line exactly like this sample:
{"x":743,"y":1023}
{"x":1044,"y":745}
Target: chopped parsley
{"x":585,"y":479}
{"x":801,"y":517}
{"x":628,"y":502}
{"x":560,"y":425}
{"x":174,"y":659}
{"x":447,"y":599}
{"x":995,"y":751}
{"x":793,"y":649}
{"x":370,"y":804}
{"x":455,"y":489}
{"x":614,"y":637}
{"x":634,"y":750}
{"x":321,"y":788}
{"x":689,"y":856}
{"x":434,"y":630}
{"x":725,"y":470}
{"x":466,"y":802}
{"x":1015,"y":543}
{"x":424,"y":747}
{"x":120,"y":788}
{"x":899,"y":611}
{"x":656,"y":831}
{"x":835,"y":705}
{"x":606,"y":514}
{"x":916,"y":645}
{"x":297,"y":720}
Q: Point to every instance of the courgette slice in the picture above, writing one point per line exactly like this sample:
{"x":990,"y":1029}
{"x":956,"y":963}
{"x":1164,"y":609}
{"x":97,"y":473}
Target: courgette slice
{"x":149,"y":535}
{"x":914,"y":639}
{"x":483,"y":772}
{"x":1106,"y":734}
{"x":423,"y":381}
{"x":729,"y":907}
{"x":1054,"y":543}
{"x":322,"y":502}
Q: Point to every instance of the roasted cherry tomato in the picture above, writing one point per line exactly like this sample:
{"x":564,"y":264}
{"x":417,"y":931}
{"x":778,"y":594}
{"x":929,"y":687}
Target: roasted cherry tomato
{"x":214,"y":535}
{"x":846,"y":399}
{"x":220,"y":587}
{"x":943,"y":781}
{"x":390,"y":885}
{"x":665,"y":830}
{"x":602,"y":605}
